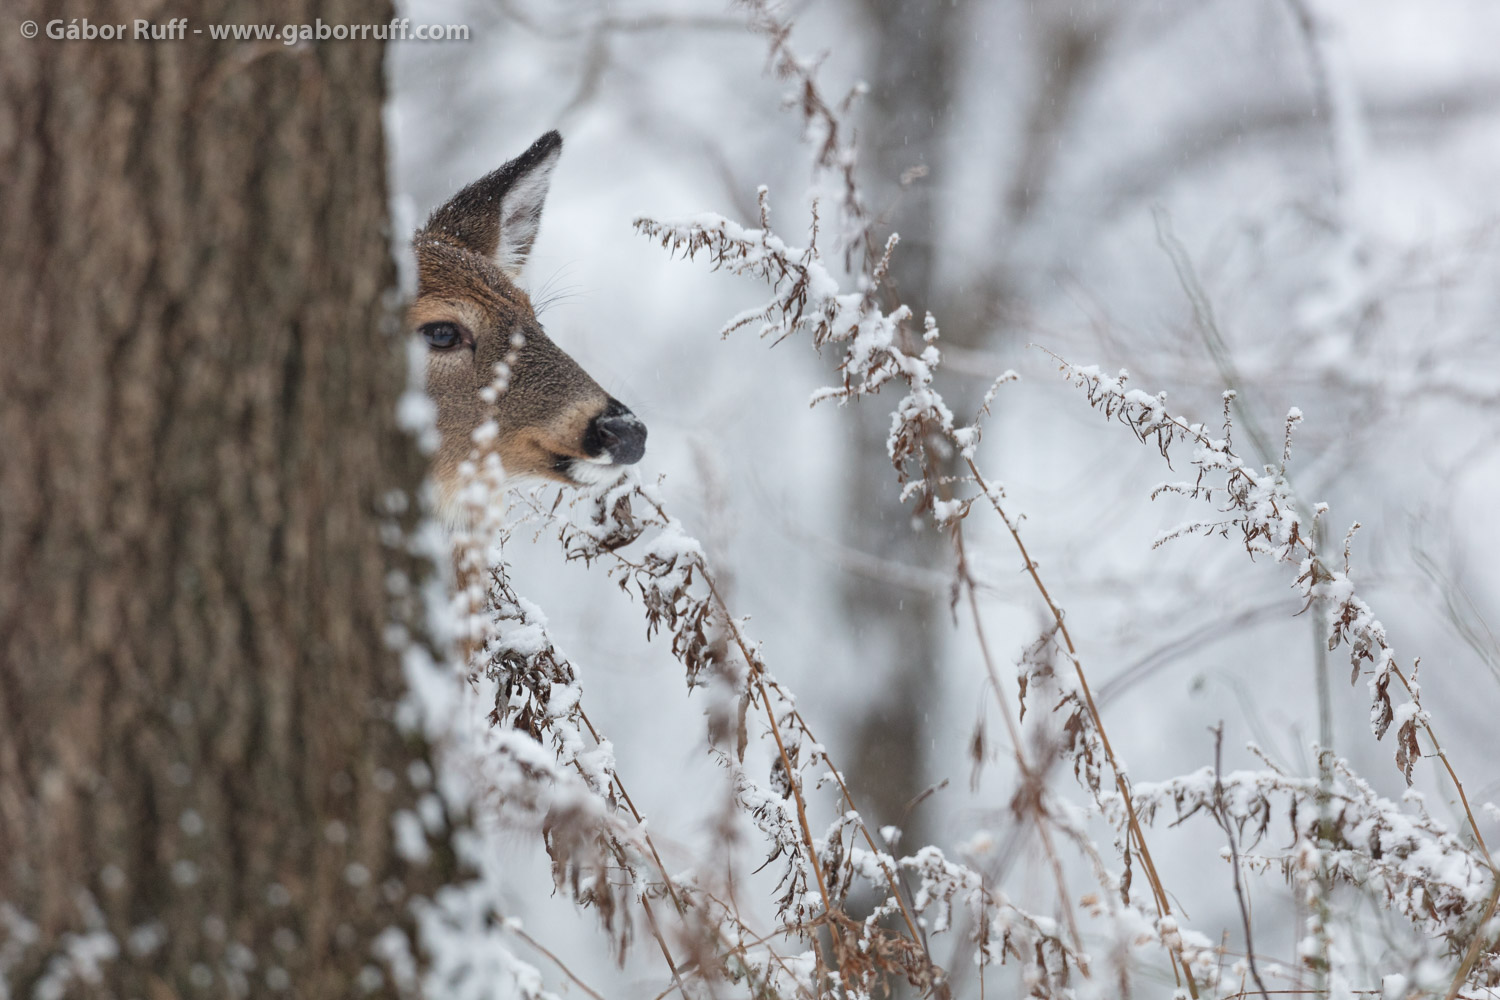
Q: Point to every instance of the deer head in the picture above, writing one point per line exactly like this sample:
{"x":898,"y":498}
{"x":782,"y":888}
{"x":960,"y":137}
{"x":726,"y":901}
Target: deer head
{"x":490,"y":365}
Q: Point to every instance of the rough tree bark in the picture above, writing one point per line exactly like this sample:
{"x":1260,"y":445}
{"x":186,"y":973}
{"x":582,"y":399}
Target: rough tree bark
{"x":198,"y":763}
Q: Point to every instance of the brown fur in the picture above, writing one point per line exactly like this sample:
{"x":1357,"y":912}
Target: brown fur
{"x":544,"y":414}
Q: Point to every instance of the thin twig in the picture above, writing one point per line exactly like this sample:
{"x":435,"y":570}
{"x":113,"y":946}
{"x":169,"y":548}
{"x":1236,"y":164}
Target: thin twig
{"x":1476,"y":943}
{"x":757,"y":670}
{"x":518,"y":932}
{"x":1198,"y":434}
{"x":1221,"y":814}
{"x":1031,"y":781}
{"x":1164,"y":907}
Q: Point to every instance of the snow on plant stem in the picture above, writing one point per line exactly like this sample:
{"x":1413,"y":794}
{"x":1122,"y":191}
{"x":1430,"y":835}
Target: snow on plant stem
{"x":559,"y":772}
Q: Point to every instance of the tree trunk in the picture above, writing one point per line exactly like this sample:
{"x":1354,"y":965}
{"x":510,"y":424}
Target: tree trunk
{"x":900,"y":628}
{"x":198,"y":761}
{"x":913,"y":78}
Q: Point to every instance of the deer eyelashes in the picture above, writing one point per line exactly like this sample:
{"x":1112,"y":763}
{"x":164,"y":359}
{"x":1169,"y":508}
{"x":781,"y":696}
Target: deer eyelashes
{"x":446,"y":336}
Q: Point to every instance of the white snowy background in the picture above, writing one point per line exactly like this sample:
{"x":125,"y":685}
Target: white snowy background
{"x":1351,"y":269}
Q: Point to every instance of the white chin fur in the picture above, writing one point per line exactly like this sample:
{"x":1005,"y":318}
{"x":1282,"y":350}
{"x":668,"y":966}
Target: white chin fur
{"x":594,"y":471}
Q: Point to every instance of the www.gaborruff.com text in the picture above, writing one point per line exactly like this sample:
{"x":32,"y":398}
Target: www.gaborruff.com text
{"x":178,"y":29}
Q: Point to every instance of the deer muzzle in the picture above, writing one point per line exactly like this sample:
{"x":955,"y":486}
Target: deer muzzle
{"x":618,"y":433}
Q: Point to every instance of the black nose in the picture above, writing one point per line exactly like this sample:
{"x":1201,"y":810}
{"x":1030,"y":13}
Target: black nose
{"x":622,"y":435}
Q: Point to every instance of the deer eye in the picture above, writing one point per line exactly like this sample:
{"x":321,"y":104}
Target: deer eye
{"x":442,"y":336}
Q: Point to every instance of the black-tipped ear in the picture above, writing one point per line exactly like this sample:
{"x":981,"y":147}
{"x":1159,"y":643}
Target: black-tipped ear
{"x":498,"y":215}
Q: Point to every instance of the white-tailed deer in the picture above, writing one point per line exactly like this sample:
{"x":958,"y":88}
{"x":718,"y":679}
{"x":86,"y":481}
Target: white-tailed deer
{"x":488,"y":358}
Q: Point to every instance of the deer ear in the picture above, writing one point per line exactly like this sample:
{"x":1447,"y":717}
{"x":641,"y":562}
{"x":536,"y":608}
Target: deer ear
{"x":498,"y":215}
